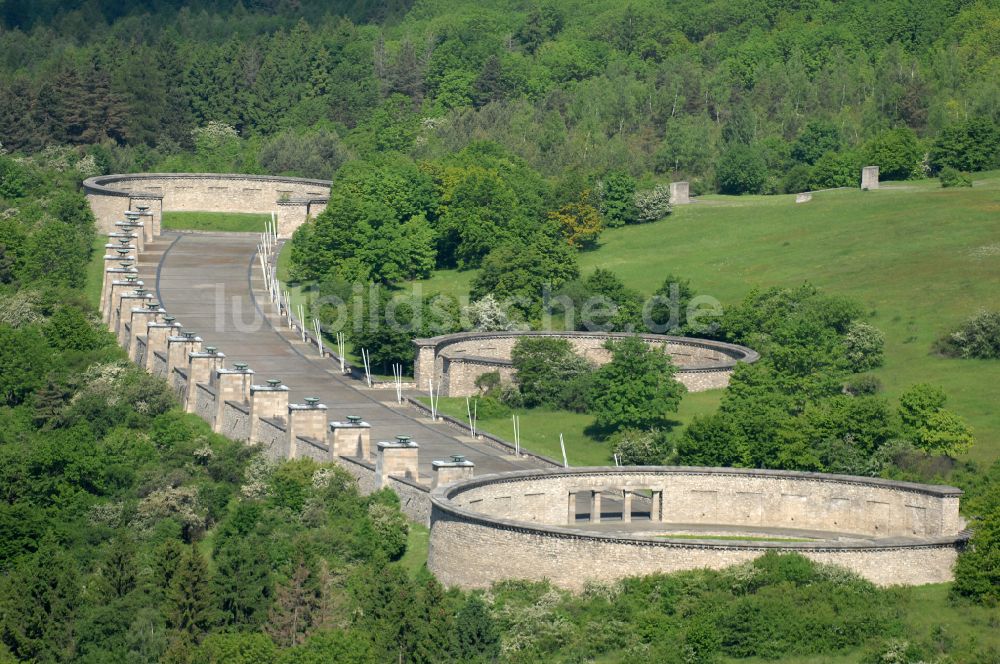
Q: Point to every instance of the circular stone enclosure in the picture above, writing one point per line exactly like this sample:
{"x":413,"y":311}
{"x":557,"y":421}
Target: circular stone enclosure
{"x":292,"y":199}
{"x":578,"y":525}
{"x":455,"y":361}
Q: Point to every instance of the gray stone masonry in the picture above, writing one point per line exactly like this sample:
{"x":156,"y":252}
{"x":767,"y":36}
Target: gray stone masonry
{"x":397,"y":458}
{"x":266,"y":402}
{"x":201,"y":365}
{"x":448,"y":471}
{"x":306,"y":420}
{"x":351,"y":438}
{"x":230,"y":385}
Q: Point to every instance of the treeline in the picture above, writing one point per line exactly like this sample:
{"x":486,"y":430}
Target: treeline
{"x":747,"y":96}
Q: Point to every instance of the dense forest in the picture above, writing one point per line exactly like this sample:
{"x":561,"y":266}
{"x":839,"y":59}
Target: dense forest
{"x":501,"y":136}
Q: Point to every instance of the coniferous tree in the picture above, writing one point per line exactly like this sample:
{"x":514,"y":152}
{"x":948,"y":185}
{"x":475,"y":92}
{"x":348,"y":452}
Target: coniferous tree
{"x":190,"y":602}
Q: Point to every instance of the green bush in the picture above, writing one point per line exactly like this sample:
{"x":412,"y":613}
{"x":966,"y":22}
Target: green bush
{"x":897,"y":154}
{"x":973,"y":145}
{"x":864,"y":345}
{"x":741,"y":170}
{"x":978,"y":337}
{"x":544,"y":366}
{"x":952,"y":177}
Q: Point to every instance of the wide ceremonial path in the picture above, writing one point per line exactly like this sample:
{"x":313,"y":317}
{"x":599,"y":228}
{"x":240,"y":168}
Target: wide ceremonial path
{"x":212,"y":284}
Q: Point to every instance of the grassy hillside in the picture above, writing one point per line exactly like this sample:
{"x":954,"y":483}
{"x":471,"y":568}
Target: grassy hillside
{"x":215,"y":221}
{"x":920,"y":259}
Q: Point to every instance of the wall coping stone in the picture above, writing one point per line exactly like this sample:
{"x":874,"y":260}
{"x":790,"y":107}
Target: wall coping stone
{"x":735,"y":352}
{"x":100,"y":184}
{"x":238,"y":406}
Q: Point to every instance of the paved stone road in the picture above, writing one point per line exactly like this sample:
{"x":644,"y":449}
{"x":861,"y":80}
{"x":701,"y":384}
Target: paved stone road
{"x":205,"y":281}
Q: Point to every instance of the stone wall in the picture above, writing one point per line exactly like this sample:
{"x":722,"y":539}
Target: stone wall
{"x":571,"y":560}
{"x":311,"y":448}
{"x":274,"y":439}
{"x":235,"y":420}
{"x":889,"y":532}
{"x":293,"y":199}
{"x":455,"y":361}
{"x":204,"y":404}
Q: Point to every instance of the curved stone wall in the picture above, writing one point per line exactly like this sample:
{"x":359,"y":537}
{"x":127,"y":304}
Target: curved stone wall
{"x":888,"y":532}
{"x":292,"y":199}
{"x":456,"y":360}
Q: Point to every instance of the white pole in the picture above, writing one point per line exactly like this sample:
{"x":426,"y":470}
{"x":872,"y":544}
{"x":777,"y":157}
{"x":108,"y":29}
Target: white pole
{"x":368,"y":371}
{"x":518,"y":447}
{"x":468,"y":412}
{"x":341,"y":350}
{"x":430,"y":391}
{"x":562,"y":444}
{"x":475,"y":416}
{"x":319,"y":336}
{"x":302,"y":322}
{"x":288,"y":308}
{"x":437,"y":399}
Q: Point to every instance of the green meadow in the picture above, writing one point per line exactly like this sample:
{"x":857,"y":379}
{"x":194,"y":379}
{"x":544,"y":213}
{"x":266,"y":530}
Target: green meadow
{"x":230,"y":222}
{"x":919,"y":258}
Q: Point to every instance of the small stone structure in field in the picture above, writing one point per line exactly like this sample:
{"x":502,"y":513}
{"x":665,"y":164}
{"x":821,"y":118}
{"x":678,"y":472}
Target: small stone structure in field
{"x":455,"y":361}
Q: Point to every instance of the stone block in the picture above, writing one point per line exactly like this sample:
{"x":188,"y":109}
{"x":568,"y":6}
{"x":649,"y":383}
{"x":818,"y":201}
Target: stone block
{"x":351,"y":438}
{"x":267,"y":402}
{"x":451,"y":470}
{"x":202,"y":364}
{"x":397,"y":458}
{"x":308,"y":420}
{"x":869,"y":177}
{"x":230,"y":385}
{"x":679,"y":193}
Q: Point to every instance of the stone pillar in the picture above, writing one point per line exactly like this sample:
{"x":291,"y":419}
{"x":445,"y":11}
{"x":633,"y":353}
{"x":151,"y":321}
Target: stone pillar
{"x":230,"y":385}
{"x":656,"y":507}
{"x":626,"y":506}
{"x":136,"y":227}
{"x":151,"y":211}
{"x":156,"y":339}
{"x":351,"y":438}
{"x":202,"y":364}
{"x":147,"y":227}
{"x":397,"y":458}
{"x":139,"y":324}
{"x":113,"y":262}
{"x":680,"y":193}
{"x":452,"y":470}
{"x":423,"y":365}
{"x":869,"y":177}
{"x":267,"y":401}
{"x":306,"y":420}
{"x":124,"y":275}
{"x":595,"y":506}
{"x":123,"y":312}
{"x":126,"y":250}
{"x":177,"y":352}
{"x":571,"y":509}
